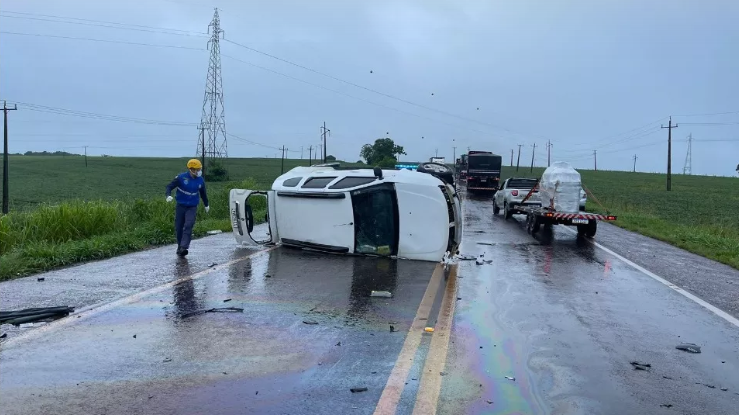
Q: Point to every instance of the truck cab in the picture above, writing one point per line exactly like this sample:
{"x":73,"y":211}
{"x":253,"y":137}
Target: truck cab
{"x":396,"y":213}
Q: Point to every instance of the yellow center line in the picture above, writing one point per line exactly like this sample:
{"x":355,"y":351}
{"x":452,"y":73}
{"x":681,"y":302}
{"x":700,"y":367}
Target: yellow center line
{"x":96,"y":309}
{"x":429,"y":388}
{"x":390,"y":397}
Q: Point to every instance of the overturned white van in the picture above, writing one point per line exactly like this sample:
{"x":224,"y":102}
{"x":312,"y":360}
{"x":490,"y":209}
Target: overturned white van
{"x":396,"y":213}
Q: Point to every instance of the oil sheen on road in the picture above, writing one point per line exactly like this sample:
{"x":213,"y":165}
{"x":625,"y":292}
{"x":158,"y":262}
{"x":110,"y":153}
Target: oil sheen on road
{"x":551,"y":326}
{"x":309,"y":333}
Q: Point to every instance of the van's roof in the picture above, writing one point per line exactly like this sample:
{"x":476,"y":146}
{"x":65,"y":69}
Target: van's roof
{"x":330,"y":175}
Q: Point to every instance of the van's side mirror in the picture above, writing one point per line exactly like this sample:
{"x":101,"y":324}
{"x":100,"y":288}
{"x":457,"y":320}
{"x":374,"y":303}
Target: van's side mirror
{"x":378,"y":173}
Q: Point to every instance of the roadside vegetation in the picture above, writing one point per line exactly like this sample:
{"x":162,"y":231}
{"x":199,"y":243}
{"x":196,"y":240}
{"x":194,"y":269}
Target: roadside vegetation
{"x":64,"y":212}
{"x":698,"y":214}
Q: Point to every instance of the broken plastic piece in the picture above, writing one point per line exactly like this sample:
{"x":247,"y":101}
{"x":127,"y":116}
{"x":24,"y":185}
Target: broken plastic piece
{"x":386,"y":294}
{"x":355,"y":390}
{"x":640,"y":365}
{"x":214,"y":232}
{"x":689,"y":347}
{"x":510,"y":378}
{"x":429,"y":329}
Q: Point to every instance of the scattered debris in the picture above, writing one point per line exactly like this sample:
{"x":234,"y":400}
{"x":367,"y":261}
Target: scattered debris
{"x":392,"y":328}
{"x":689,"y":347}
{"x":40,"y":279}
{"x":464,"y":257}
{"x":267,"y":276}
{"x":710,"y":386}
{"x":510,"y":378}
{"x":665,"y":405}
{"x":212,"y":264}
{"x":355,"y":390}
{"x":134,"y":336}
{"x":666,"y":377}
{"x":724,"y":389}
{"x":338,"y":344}
{"x":442,"y":373}
{"x":226,"y":300}
{"x":213,"y":310}
{"x":167,"y":360}
{"x":429,"y":329}
{"x":4,"y":335}
{"x":489,"y":402}
{"x":386,"y":294}
{"x":310,"y":322}
{"x":459,"y":298}
{"x":640,"y":365}
{"x":30,"y":315}
{"x":214,"y":232}
{"x":257,"y":393}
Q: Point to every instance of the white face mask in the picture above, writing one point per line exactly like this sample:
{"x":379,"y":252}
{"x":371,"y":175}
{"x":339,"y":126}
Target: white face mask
{"x":200,"y":173}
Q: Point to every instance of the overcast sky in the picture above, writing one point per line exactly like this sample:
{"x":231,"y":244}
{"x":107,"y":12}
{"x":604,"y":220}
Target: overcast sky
{"x":488,"y":75}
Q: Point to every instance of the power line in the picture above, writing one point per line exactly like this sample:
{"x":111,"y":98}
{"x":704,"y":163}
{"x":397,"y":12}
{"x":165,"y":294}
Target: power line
{"x":100,"y":40}
{"x":100,"y":23}
{"x":85,"y":114}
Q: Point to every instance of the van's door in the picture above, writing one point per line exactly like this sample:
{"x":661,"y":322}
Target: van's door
{"x":245,"y":206}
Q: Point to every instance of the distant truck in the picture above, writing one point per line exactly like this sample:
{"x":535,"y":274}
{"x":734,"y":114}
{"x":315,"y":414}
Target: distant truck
{"x":480,"y":170}
{"x":440,"y":160}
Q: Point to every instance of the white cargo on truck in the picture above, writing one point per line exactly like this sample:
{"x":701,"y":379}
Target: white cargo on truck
{"x":396,"y":213}
{"x":561,"y":187}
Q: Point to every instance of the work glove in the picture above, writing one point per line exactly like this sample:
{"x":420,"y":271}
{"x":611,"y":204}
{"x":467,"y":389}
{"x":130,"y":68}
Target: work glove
{"x":207,"y":208}
{"x":169,"y":199}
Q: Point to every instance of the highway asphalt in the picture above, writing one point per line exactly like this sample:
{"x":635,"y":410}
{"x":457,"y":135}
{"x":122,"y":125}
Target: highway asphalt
{"x":540,"y":327}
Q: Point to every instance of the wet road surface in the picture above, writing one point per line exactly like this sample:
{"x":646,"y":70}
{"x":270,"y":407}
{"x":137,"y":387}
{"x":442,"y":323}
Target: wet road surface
{"x":562,"y":320}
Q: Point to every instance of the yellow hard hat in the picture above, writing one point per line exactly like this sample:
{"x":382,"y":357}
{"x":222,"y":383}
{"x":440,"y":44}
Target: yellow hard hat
{"x":194,"y":164}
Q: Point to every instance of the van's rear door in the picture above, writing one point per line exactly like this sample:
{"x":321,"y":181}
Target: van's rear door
{"x":246,"y":206}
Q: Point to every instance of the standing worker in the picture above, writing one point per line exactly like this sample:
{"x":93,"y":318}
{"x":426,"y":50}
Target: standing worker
{"x":190,"y":187}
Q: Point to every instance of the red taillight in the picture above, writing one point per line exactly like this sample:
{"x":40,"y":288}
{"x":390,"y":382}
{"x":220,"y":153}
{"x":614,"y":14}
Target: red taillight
{"x":514,"y":192}
{"x":611,"y":217}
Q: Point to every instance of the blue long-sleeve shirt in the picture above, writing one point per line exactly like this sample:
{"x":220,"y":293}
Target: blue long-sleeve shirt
{"x":189,"y":190}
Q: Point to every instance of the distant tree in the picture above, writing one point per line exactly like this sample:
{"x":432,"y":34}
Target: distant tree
{"x":381,"y":151}
{"x":387,"y":163}
{"x":330,"y":158}
{"x":360,"y":162}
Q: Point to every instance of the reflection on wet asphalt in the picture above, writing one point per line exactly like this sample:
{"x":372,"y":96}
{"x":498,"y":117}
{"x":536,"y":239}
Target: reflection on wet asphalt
{"x":551,"y":325}
{"x":565,"y":319}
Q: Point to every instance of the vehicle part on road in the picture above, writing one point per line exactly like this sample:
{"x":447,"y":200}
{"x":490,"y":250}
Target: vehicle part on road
{"x":355,"y":390}
{"x":29,"y":315}
{"x":40,"y":279}
{"x":312,"y":322}
{"x":387,"y":294}
{"x":429,"y":329}
{"x":400,"y":214}
{"x":689,"y":347}
{"x":214,"y":310}
{"x":510,"y":378}
{"x":640,"y":365}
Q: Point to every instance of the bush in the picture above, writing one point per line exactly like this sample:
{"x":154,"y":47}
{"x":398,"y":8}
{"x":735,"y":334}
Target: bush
{"x":216,"y":171}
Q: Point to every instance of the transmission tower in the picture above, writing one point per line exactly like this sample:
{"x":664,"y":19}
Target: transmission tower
{"x":687,"y":169}
{"x":212,"y":140}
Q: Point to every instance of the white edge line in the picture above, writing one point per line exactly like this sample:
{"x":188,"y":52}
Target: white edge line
{"x":95,"y":309}
{"x":712,"y":308}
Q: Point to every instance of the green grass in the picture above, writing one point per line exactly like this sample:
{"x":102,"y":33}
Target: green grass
{"x":698,"y":214}
{"x":63,"y":212}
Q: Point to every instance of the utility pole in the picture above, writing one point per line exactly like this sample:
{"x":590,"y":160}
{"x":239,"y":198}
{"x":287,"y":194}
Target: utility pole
{"x":282,"y":165}
{"x":324,"y":132}
{"x":5,"y":154}
{"x":533,"y":153}
{"x":518,"y":161}
{"x":635,"y":163}
{"x":688,"y":168}
{"x":595,"y":159}
{"x":201,"y":127}
{"x":310,"y":156}
{"x":301,"y":152}
{"x":85,"y":156}
{"x":549,"y":153}
{"x":511,"y":157}
{"x":437,"y":152}
{"x":669,"y":153}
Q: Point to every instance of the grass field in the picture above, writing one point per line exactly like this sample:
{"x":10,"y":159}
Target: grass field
{"x":64,"y":212}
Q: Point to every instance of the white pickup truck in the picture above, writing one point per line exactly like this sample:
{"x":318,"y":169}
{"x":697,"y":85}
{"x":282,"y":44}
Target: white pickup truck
{"x":511,"y":193}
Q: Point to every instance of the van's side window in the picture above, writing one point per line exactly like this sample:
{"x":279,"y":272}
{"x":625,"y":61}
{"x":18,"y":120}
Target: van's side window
{"x":292,"y":182}
{"x":317,"y":182}
{"x":349,"y":182}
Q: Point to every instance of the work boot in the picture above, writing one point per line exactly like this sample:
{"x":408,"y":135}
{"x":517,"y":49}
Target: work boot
{"x":181,"y":251}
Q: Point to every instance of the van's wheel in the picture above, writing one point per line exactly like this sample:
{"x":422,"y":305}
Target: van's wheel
{"x":506,"y":211}
{"x":496,"y":209}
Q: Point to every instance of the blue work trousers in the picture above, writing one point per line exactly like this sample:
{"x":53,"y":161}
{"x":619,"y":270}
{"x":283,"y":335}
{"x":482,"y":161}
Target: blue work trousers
{"x":184,"y":220}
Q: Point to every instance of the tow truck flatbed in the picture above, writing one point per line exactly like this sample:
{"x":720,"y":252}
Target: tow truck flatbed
{"x":537,"y":215}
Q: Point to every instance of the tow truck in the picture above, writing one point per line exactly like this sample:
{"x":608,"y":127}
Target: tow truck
{"x":546,"y":214}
